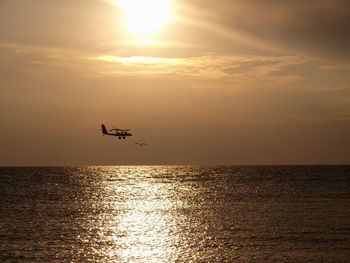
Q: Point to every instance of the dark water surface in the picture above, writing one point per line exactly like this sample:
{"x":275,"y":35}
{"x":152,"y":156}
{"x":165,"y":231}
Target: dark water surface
{"x":175,"y":214}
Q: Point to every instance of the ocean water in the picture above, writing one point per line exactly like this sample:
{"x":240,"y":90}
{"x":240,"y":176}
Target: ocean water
{"x":175,"y":214}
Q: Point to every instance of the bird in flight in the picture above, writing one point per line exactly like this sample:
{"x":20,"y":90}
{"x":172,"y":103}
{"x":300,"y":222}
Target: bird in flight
{"x":140,"y":144}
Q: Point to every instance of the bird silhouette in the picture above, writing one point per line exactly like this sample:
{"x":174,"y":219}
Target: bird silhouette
{"x":140,"y":144}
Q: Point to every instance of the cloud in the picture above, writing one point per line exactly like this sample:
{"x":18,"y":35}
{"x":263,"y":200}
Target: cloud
{"x":317,"y":27}
{"x":232,"y":69}
{"x":235,"y":69}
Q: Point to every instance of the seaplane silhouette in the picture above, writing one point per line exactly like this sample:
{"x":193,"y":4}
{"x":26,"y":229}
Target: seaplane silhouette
{"x":120,"y":133}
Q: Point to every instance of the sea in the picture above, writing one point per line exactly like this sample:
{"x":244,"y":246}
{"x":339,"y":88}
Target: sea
{"x":175,"y":214}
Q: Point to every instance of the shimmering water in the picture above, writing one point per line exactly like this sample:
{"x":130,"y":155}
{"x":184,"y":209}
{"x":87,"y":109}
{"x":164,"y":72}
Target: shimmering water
{"x":175,"y":214}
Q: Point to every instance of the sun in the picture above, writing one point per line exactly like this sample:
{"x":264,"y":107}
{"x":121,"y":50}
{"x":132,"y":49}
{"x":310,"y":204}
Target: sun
{"x":145,"y":16}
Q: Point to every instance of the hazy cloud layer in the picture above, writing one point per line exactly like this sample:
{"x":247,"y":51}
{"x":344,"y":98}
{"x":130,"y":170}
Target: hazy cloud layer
{"x":318,"y":28}
{"x":313,"y":27}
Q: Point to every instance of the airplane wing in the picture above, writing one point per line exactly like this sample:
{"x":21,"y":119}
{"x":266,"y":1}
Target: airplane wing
{"x":117,"y":129}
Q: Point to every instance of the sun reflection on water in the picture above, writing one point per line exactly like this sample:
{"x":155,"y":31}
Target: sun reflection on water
{"x":142,"y":226}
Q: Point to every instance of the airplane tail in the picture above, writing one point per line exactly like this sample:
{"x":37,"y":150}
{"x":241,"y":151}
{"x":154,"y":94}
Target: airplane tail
{"x":104,"y":130}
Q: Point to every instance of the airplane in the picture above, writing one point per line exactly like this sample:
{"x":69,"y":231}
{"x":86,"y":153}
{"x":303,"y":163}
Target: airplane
{"x":120,"y":133}
{"x":140,"y":143}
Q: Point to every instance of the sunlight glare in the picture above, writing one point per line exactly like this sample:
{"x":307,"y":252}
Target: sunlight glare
{"x":138,"y":59}
{"x":145,"y":16}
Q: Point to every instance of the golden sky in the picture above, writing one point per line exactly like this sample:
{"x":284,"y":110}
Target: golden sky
{"x":202,"y":82}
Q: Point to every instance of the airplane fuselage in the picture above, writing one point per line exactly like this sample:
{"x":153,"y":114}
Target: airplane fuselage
{"x":119,"y":134}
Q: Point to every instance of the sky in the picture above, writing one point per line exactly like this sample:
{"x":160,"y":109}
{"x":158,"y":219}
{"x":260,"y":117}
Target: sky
{"x":231,"y":82}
